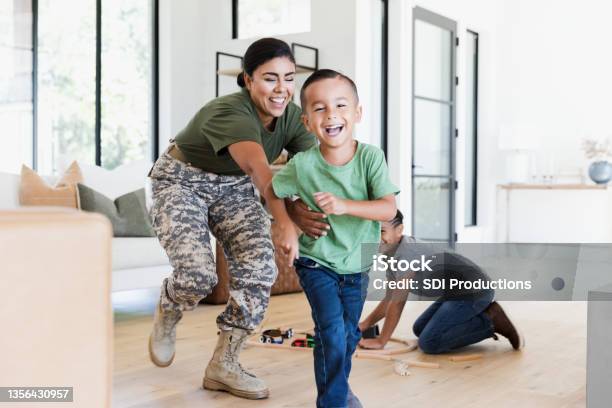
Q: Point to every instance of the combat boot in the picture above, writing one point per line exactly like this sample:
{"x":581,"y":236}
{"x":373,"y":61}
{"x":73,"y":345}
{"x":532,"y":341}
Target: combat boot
{"x":163,"y":336}
{"x":224,"y":372}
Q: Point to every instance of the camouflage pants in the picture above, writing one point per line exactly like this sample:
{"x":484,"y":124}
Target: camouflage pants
{"x":188,"y":204}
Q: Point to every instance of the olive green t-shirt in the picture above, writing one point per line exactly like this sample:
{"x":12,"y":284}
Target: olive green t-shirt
{"x":233,"y":118}
{"x":365,"y":177}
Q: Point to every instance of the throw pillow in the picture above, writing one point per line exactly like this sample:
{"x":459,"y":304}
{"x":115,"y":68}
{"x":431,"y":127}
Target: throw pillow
{"x":127,"y":213}
{"x":121,"y":180}
{"x":35,"y":191}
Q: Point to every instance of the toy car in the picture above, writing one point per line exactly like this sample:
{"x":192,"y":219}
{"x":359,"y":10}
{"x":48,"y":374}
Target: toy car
{"x":307,"y":342}
{"x":275,"y":336}
{"x":270,"y":339}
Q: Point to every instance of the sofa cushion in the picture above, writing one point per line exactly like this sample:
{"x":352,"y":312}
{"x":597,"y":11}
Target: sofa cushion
{"x":138,"y":278}
{"x":119,"y":181}
{"x":34,"y":190}
{"x":127,"y":213}
{"x":131,"y":253}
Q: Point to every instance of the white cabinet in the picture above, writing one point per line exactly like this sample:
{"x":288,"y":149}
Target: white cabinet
{"x":554,"y":213}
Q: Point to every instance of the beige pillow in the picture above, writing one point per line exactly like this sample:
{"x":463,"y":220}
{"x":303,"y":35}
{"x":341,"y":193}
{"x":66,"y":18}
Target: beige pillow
{"x":35,"y":191}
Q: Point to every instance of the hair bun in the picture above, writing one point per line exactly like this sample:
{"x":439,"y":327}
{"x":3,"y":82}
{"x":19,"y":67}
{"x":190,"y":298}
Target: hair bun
{"x":240,"y":79}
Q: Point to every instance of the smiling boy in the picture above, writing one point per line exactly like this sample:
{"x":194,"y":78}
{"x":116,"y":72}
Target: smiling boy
{"x":349,"y":182}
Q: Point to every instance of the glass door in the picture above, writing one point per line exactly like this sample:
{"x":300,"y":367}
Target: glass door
{"x":433,"y":126}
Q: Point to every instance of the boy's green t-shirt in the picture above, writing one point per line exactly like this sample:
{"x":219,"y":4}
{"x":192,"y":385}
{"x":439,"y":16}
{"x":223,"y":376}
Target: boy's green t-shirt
{"x":365,"y":177}
{"x":233,"y":118}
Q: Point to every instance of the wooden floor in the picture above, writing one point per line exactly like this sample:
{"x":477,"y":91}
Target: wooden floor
{"x":550,"y":372}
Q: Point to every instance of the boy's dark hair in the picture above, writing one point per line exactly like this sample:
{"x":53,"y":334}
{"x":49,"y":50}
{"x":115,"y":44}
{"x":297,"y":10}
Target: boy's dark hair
{"x":398,"y":219}
{"x":325,"y":74}
{"x":260,"y":52}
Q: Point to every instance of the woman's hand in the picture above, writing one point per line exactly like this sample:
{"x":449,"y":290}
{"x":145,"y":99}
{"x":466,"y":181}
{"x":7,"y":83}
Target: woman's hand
{"x":310,"y":222}
{"x":330,"y":204}
{"x":285,"y":240}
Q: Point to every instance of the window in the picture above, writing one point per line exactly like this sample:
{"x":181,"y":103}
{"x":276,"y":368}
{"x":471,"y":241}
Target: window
{"x":66,"y":84}
{"x":127,"y":97}
{"x":16,"y":96}
{"x":471,"y":138}
{"x":265,"y":18}
{"x":95,"y":77}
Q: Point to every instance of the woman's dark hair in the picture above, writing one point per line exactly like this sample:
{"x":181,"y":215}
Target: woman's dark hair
{"x":260,"y":52}
{"x":322,"y":74}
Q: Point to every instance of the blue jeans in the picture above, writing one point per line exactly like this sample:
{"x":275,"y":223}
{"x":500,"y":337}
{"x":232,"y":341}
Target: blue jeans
{"x":336,"y":302}
{"x":449,"y":324}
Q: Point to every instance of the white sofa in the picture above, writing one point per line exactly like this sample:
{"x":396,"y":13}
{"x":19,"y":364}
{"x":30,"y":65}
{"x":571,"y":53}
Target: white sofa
{"x":137,"y":263}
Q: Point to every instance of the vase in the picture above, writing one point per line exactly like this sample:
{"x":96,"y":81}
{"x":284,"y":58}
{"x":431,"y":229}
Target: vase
{"x":600,"y":172}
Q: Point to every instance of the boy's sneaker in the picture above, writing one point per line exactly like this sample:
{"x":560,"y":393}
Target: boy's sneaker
{"x":504,"y":326}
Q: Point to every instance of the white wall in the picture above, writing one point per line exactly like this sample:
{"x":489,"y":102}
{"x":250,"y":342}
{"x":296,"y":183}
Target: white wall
{"x":555,"y":75}
{"x":554,"y":83}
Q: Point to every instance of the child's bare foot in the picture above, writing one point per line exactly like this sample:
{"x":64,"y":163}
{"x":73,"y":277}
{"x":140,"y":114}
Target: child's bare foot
{"x":372,"y":344}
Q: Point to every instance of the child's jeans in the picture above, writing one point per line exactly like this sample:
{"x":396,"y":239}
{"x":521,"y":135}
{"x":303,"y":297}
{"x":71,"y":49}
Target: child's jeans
{"x":336,"y":301}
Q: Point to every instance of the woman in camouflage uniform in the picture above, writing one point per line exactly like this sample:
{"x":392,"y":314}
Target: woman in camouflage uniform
{"x":204,"y":183}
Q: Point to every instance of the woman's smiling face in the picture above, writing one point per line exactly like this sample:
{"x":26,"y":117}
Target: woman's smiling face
{"x":271,"y":88}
